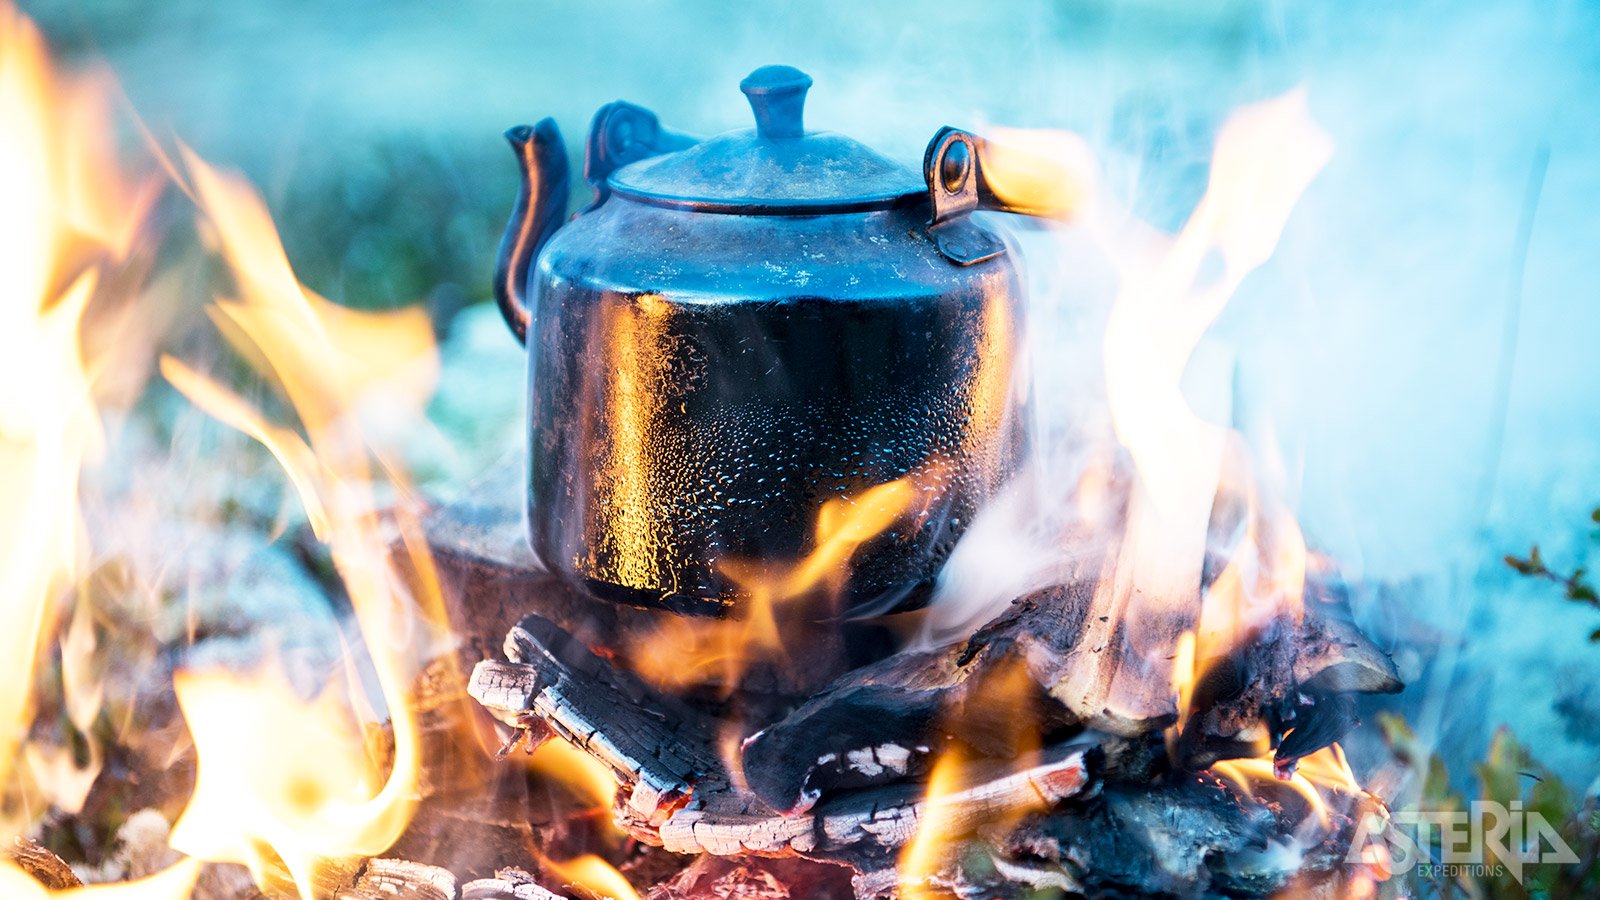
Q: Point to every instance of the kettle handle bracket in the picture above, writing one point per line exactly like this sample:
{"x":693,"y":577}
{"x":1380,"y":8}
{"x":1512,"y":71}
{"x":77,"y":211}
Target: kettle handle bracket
{"x":621,"y":133}
{"x":952,"y":168}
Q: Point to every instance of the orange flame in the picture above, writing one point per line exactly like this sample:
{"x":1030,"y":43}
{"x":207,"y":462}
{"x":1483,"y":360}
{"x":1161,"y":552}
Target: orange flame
{"x":1324,"y":772}
{"x":597,"y":876}
{"x":67,"y":212}
{"x":685,"y":652}
{"x":276,"y":772}
{"x":591,"y":778}
{"x":929,"y":851}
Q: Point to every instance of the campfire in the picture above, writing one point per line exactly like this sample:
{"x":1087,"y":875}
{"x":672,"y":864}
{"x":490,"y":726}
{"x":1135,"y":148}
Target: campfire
{"x":976,"y":637}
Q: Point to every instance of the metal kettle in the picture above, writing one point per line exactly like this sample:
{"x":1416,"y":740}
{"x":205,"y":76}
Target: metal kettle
{"x":737,"y":331}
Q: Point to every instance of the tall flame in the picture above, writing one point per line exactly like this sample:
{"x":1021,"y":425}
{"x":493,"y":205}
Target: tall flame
{"x":274,"y":771}
{"x":1266,"y":155}
{"x":67,"y":211}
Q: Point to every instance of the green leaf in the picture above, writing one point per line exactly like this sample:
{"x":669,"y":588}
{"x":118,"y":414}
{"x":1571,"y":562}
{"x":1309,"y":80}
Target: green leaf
{"x":1595,"y":515}
{"x":1521,"y":565}
{"x":1595,"y":635}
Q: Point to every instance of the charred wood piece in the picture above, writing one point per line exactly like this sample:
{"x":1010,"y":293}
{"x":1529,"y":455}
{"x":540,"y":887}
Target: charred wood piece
{"x":1309,"y":721}
{"x":401,"y":879}
{"x":859,"y":827}
{"x":657,"y":749}
{"x":507,"y":884}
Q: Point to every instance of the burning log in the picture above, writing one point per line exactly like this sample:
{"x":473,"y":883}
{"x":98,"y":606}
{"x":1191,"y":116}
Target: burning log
{"x":909,"y":706}
{"x":677,"y":792}
{"x":400,"y":879}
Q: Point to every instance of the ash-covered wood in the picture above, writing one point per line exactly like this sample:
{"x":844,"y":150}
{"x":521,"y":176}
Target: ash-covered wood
{"x":657,"y":748}
{"x":676,"y":791}
{"x":1188,"y":838}
{"x":507,"y":884}
{"x":401,"y":879}
{"x":720,"y":878}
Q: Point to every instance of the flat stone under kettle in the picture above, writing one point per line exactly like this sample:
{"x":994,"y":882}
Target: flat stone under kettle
{"x":737,"y":333}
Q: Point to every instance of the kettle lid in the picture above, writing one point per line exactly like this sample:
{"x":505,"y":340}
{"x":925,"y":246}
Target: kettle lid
{"x":776,"y":168}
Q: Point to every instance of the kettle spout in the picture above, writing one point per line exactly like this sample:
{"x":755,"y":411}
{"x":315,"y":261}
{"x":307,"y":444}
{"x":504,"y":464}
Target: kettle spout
{"x":540,"y":208}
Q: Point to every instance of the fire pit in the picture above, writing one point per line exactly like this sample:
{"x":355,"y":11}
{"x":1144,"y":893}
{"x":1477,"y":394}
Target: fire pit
{"x":876,"y":531}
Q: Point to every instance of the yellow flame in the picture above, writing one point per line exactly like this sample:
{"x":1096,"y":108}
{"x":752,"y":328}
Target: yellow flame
{"x":597,"y":875}
{"x":67,"y":209}
{"x":172,"y":883}
{"x":929,"y":850}
{"x":1326,"y":769}
{"x":685,"y":652}
{"x":277,"y":772}
{"x":591,"y":778}
{"x":1245,"y":773}
{"x":1184,"y":676}
{"x":1266,"y":155}
{"x":305,"y":765}
{"x":1329,"y":767}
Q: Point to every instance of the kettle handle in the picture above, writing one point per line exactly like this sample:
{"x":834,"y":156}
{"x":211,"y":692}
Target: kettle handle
{"x":540,"y":207}
{"x":953,"y":167}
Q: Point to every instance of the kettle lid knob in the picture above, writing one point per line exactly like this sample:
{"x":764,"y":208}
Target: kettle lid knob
{"x":777,"y":97}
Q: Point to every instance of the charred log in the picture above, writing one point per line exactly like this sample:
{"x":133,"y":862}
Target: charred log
{"x":720,"y":878}
{"x":507,"y":884}
{"x":676,"y":792}
{"x":400,"y":879}
{"x":45,"y":867}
